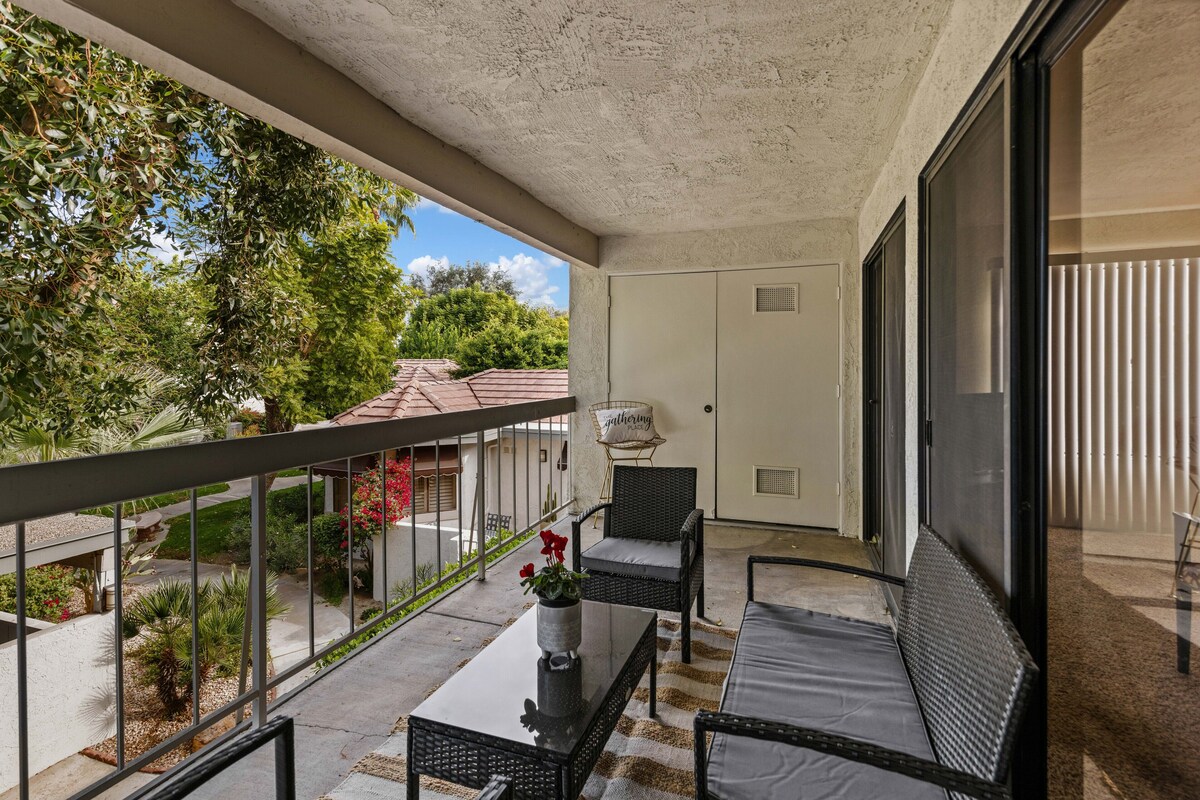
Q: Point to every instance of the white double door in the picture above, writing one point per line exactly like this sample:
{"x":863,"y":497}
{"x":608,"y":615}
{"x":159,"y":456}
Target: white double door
{"x":742,"y":368}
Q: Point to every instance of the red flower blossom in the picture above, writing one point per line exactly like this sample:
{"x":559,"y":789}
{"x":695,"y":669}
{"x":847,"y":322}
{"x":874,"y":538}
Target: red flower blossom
{"x":527,"y":571}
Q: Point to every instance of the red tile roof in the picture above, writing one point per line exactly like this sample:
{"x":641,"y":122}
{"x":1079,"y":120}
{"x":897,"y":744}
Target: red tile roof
{"x":425,"y":369}
{"x":416,"y":396}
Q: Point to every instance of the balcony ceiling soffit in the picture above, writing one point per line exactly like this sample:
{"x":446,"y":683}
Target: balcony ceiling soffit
{"x":633,"y":117}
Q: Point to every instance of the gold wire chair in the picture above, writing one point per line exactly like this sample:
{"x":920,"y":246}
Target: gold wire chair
{"x":635,"y":452}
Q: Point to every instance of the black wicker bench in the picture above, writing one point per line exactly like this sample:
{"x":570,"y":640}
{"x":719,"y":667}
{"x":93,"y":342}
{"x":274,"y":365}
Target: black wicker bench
{"x":819,"y":706}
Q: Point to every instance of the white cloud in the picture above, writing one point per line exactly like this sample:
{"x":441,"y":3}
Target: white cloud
{"x":425,"y":203}
{"x":530,"y":275}
{"x":421,"y":264}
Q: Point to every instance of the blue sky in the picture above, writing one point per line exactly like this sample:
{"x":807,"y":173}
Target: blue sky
{"x":446,"y":236}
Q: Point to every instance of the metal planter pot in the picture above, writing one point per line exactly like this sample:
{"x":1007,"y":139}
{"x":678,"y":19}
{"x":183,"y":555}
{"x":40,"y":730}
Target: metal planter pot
{"x":559,"y":628}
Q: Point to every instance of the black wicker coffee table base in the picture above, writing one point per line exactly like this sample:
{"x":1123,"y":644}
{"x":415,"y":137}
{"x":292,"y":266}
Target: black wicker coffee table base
{"x":486,"y":719}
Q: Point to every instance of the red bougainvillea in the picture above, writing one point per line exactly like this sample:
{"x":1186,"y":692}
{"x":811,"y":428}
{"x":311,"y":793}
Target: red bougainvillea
{"x":369,"y":505}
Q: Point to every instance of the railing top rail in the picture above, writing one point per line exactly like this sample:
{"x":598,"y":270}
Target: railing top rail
{"x":30,"y":491}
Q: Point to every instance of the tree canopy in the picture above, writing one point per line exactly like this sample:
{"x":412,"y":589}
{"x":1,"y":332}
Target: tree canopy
{"x":102,"y":163}
{"x":481,"y":329}
{"x":439,"y":280}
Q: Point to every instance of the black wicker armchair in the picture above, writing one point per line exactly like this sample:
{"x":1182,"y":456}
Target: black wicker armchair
{"x":852,"y":709}
{"x":652,"y":553}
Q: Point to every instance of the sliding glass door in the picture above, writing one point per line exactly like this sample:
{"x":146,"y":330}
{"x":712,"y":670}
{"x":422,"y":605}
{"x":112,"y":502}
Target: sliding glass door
{"x":965,"y":362}
{"x":1123,"y":380}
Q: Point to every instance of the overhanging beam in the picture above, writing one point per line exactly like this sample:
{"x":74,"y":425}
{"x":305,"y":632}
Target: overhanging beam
{"x":229,"y":54}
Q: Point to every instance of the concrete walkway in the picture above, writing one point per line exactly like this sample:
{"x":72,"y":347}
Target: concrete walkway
{"x":237,"y":490}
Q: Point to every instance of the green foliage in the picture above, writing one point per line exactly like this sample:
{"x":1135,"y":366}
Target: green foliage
{"x":95,"y":151}
{"x":292,"y":504}
{"x":287,"y":542}
{"x":157,"y":501}
{"x":426,"y":574}
{"x":328,"y":537}
{"x":439,"y":280}
{"x":160,"y":620}
{"x":213,"y":526}
{"x":433,"y":339}
{"x":295,"y":249}
{"x":48,"y":590}
{"x":550,"y":504}
{"x":285,"y":290}
{"x":485,"y":330}
{"x":332,"y":585}
{"x":507,"y":346}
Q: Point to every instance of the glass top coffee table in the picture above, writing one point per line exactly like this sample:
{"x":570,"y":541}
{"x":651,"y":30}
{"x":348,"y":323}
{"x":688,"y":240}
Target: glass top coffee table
{"x":507,"y":713}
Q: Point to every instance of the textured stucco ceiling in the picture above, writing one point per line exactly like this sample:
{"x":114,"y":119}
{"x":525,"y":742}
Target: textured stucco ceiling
{"x":642,"y":117}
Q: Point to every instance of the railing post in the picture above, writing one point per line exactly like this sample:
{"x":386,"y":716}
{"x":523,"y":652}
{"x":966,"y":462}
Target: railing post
{"x":258,"y":594}
{"x":481,"y":507}
{"x":22,"y":672}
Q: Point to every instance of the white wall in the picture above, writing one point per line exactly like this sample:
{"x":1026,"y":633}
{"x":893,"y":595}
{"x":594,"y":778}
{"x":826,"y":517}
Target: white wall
{"x":972,"y":34}
{"x":530,"y":489}
{"x":499,"y":500}
{"x":71,"y":688}
{"x":809,"y":242}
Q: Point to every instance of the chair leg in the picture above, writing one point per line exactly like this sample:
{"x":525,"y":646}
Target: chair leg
{"x":700,"y":602}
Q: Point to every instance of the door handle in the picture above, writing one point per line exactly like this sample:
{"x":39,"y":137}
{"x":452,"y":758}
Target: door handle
{"x":708,"y":409}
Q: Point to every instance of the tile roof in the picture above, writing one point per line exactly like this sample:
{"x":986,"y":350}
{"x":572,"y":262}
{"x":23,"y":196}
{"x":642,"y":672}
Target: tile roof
{"x":416,"y":397}
{"x":425,"y":369}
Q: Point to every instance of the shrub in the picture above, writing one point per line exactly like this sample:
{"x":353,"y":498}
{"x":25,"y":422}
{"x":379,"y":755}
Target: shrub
{"x":161,"y":617}
{"x":48,"y":590}
{"x":332,"y":586}
{"x":287,"y":542}
{"x":292,"y":503}
{"x":328,"y":537}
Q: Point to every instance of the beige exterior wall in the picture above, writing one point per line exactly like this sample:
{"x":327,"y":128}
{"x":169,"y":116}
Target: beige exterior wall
{"x":827,"y":241}
{"x":973,"y":34}
{"x":70,"y":693}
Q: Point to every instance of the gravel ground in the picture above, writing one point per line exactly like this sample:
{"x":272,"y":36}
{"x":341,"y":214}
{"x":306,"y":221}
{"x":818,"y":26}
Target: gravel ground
{"x":49,"y":528}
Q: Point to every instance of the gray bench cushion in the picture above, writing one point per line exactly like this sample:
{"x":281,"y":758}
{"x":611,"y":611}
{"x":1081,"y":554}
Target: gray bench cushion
{"x":833,"y":674}
{"x":637,"y":558}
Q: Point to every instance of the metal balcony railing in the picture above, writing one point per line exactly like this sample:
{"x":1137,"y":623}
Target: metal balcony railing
{"x":510,"y":470}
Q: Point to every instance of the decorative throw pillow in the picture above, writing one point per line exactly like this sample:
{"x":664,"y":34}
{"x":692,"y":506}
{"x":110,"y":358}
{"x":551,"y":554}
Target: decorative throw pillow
{"x":619,"y":425}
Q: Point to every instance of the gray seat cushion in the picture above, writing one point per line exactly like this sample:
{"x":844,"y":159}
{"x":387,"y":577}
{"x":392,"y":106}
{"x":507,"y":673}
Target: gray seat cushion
{"x":636,"y":558}
{"x":829,"y":673}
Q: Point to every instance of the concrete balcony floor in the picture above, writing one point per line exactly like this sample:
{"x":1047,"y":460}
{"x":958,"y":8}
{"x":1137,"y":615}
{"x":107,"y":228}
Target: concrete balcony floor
{"x":350,"y":711}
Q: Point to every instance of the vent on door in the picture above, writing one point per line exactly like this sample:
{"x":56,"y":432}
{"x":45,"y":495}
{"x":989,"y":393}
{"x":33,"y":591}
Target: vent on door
{"x":777,"y":481}
{"x":776,"y":297}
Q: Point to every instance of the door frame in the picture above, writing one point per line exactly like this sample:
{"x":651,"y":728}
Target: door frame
{"x":818,"y":262}
{"x":1046,"y":29}
{"x":873,"y":362}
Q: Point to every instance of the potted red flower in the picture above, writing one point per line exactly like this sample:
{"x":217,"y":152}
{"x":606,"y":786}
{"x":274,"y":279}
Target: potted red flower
{"x":559,"y":590}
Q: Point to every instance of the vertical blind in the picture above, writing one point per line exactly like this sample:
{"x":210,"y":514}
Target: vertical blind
{"x":426,"y":489}
{"x":1125,"y":389}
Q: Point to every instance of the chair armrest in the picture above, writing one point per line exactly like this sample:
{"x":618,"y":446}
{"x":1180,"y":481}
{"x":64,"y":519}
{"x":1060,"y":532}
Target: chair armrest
{"x":692,"y":531}
{"x":841,"y":746}
{"x":498,"y":788}
{"x":808,"y":562}
{"x":587,"y":513}
{"x":577,"y":532}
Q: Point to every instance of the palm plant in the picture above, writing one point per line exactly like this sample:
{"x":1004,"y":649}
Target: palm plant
{"x":160,"y":620}
{"x":138,"y":428}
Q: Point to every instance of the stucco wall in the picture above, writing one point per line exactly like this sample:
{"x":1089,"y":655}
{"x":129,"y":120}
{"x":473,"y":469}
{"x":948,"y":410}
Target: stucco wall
{"x":972,"y":34}
{"x":70,"y":693}
{"x":825,"y":241}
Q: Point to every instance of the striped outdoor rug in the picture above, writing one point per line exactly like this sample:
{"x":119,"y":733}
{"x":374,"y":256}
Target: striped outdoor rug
{"x":645,"y":759}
